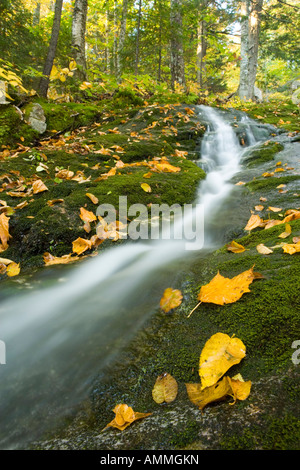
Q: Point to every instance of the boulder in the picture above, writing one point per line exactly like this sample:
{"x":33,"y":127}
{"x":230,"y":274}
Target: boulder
{"x":296,"y":96}
{"x":37,"y":119}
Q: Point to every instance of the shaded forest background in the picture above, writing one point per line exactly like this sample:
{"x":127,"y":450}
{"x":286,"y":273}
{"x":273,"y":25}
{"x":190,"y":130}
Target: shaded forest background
{"x":195,"y":47}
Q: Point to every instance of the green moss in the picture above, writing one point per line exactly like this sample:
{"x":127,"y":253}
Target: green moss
{"x":265,"y":153}
{"x":270,"y":182}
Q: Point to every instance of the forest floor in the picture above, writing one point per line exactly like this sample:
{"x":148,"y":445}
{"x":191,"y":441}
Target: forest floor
{"x":109,"y":154}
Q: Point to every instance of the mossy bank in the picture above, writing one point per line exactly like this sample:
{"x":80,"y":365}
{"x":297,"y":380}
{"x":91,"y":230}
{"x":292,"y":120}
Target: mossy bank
{"x":267,"y":320}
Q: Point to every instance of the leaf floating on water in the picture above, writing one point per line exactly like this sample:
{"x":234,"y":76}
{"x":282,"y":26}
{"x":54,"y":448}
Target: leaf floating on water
{"x":165,"y":389}
{"x":235,"y":247}
{"x":124,"y":417}
{"x":171,"y":298}
{"x":219,"y":354}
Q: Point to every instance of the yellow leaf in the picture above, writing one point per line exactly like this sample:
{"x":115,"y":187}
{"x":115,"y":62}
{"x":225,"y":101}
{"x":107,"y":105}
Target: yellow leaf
{"x":240,"y":388}
{"x":13,"y":269}
{"x":253,"y":222}
{"x":259,"y":207}
{"x":235,"y":247}
{"x":202,"y":397}
{"x":165,"y":389}
{"x":291,"y":248}
{"x":49,"y":259}
{"x":4,"y":232}
{"x":93,"y":198}
{"x":287,"y":232}
{"x":171,"y":298}
{"x":124,"y":417}
{"x":80,"y":245}
{"x":146,"y":187}
{"x":219,"y":354}
{"x":274,"y":209}
{"x":221,"y":290}
{"x":292,"y":214}
{"x":262,"y":249}
{"x":87,"y":216}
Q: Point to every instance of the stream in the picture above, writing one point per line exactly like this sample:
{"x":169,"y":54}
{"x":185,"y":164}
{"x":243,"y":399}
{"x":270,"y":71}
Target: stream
{"x":61,"y":333}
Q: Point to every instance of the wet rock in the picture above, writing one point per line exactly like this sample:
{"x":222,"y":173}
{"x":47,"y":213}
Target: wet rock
{"x":37,"y":119}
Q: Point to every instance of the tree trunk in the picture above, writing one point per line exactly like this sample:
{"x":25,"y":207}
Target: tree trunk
{"x":78,"y":37}
{"x":44,"y":82}
{"x":250,"y":28}
{"x":122,"y":36}
{"x":201,"y":53}
{"x":137,"y":50}
{"x":176,"y":57}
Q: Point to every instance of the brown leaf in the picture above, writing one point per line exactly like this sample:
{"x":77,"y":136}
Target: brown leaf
{"x":38,"y":187}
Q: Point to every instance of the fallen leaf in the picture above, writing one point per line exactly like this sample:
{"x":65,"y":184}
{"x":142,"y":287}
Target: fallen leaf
{"x":146,"y":187}
{"x":13,"y":269}
{"x":235,"y":247}
{"x":52,"y":202}
{"x":80,"y":245}
{"x":165,"y":389}
{"x":38,"y":187}
{"x":240,"y":388}
{"x":291,"y":248}
{"x":254,"y":222}
{"x":259,"y":208}
{"x":202,"y":397}
{"x":220,"y":353}
{"x":274,"y":209}
{"x":50,"y":260}
{"x":262,"y":249}
{"x":124,"y":417}
{"x":287,"y":232}
{"x":4,"y":232}
{"x":87,"y":216}
{"x":171,"y":298}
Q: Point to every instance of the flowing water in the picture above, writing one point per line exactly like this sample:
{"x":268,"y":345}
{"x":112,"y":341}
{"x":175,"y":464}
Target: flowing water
{"x":58,"y":338}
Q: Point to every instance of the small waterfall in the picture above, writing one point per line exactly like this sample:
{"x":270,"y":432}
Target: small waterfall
{"x":58,"y":338}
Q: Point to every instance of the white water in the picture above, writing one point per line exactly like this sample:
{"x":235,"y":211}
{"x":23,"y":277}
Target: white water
{"x":58,"y":338}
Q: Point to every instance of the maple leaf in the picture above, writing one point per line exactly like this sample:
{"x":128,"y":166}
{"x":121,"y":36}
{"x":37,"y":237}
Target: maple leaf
{"x":165,"y":389}
{"x":125,"y":416}
{"x":171,"y":298}
{"x":221,"y":290}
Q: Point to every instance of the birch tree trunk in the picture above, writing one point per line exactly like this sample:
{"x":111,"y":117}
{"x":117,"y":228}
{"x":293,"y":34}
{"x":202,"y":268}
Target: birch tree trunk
{"x":176,"y":56}
{"x":201,"y":45}
{"x":122,"y":36}
{"x":44,"y":82}
{"x":250,"y":28}
{"x":78,"y":37}
{"x":137,"y":50}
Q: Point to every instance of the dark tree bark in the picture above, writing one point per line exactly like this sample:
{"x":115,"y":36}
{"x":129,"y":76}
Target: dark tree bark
{"x":44,"y":82}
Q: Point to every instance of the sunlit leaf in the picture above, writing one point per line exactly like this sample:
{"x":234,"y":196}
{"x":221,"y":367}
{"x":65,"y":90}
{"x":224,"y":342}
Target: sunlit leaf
{"x":13,"y":269}
{"x":146,"y":187}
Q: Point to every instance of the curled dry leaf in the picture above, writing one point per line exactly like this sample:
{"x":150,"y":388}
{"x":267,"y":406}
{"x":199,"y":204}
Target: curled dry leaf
{"x":50,"y":260}
{"x":171,"y":298}
{"x":4,"y":232}
{"x":219,"y":354}
{"x":87,"y":216}
{"x":235,"y":247}
{"x":124,"y":417}
{"x":287,"y":232}
{"x":263,"y":250}
{"x":38,"y":187}
{"x":80,"y":245}
{"x":165,"y":389}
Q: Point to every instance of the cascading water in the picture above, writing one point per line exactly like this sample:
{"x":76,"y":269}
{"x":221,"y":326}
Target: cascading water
{"x":57,"y":338}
